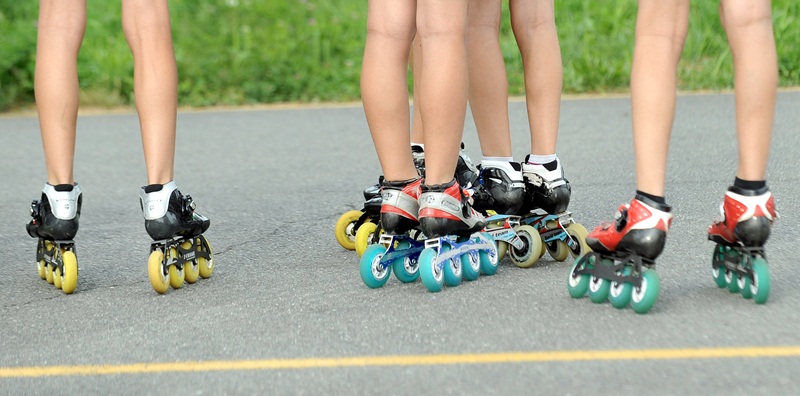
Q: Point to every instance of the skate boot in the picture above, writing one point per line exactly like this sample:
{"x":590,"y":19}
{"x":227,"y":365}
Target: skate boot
{"x":365,"y":221}
{"x":622,"y":266}
{"x":455,"y":246}
{"x":501,"y":188}
{"x":544,"y":208}
{"x":418,"y":155}
{"x":55,"y":223}
{"x":467,"y":174}
{"x":398,"y":247}
{"x":739,"y":261}
{"x":179,"y":251}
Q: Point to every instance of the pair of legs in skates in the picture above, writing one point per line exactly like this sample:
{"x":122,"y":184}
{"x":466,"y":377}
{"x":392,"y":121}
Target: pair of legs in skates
{"x":179,"y":251}
{"x":622,"y":266}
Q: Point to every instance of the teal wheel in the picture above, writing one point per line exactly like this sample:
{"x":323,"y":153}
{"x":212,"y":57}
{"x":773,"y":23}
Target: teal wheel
{"x":718,"y":272}
{"x":373,"y":273}
{"x":452,"y":268}
{"x":744,"y":286}
{"x":405,"y":269}
{"x":759,"y":286}
{"x":432,"y":277}
{"x":620,"y":293}
{"x":578,"y":285}
{"x":471,"y":265}
{"x":733,"y":281}
{"x":643,"y":297}
{"x":599,"y":289}
{"x":490,"y":259}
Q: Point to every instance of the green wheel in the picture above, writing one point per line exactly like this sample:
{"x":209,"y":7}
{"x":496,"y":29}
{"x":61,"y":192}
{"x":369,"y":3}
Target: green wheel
{"x":578,"y":285}
{"x":372,"y":273}
{"x":490,"y":260}
{"x":733,"y":281}
{"x":471,"y":265}
{"x":405,"y":269}
{"x":744,"y":287}
{"x":643,"y":298}
{"x":599,"y":289}
{"x":620,"y":293}
{"x":759,"y":287}
{"x":432,"y":277}
{"x":719,"y":276}
{"x":452,"y":269}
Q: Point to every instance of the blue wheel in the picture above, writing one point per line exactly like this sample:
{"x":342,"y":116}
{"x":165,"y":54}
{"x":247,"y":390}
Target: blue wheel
{"x":471,"y":265}
{"x":373,"y":273}
{"x":405,"y":269}
{"x":489,"y":259}
{"x":578,"y":285}
{"x":432,"y":277}
{"x":620,"y":293}
{"x":643,"y":298}
{"x":759,"y":287}
{"x":452,"y":268}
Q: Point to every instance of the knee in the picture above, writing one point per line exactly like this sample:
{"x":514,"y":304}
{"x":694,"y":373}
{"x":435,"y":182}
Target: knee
{"x":744,"y":14}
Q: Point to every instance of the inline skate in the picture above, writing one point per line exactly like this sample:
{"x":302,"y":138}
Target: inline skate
{"x":179,"y":251}
{"x":739,"y":261}
{"x":621,"y":268}
{"x":456,"y":247}
{"x":54,"y":224}
{"x":351,"y":222}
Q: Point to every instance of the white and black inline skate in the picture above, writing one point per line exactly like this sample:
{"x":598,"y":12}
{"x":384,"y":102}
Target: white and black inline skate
{"x":54,"y":224}
{"x":179,"y":251}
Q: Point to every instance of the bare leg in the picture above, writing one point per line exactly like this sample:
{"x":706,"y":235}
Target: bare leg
{"x":488,"y":83}
{"x":661,"y":28}
{"x":417,"y":134}
{"x":147,"y":29}
{"x":384,"y":86}
{"x":443,"y":94}
{"x":748,"y":25}
{"x":61,"y":29}
{"x":533,"y":22}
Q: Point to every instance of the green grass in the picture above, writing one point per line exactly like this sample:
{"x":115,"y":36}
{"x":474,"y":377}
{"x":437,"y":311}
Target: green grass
{"x":234,"y":52}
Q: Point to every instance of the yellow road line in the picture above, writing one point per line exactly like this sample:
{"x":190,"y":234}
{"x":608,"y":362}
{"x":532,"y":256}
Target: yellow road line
{"x":403,"y":360}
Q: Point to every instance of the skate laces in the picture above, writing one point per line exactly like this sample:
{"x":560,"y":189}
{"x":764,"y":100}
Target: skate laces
{"x":621,"y":217}
{"x":187,"y":206}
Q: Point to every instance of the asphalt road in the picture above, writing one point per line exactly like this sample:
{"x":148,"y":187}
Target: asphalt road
{"x":287,"y":313}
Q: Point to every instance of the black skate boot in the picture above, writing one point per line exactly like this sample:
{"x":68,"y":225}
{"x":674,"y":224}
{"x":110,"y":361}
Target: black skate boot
{"x":547,"y":189}
{"x":501,"y":188}
{"x":179,"y":250}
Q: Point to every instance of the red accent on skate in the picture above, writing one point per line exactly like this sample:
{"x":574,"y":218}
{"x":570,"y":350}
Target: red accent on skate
{"x":771,"y":207}
{"x":413,"y":189}
{"x":436,"y":213}
{"x":396,"y":210}
{"x":733,"y":211}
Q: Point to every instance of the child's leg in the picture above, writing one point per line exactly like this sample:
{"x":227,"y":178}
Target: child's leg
{"x":417,"y":134}
{"x":147,"y":30}
{"x":443,"y":92}
{"x":748,"y":25}
{"x":384,"y":87}
{"x":534,"y":28}
{"x":60,"y":33}
{"x":488,"y":83}
{"x":661,"y":28}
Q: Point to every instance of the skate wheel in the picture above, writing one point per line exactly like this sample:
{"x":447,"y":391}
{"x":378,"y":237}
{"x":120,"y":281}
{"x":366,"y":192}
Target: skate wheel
{"x":732,"y":279}
{"x":578,"y":285}
{"x":191,"y":269}
{"x":471,"y":265}
{"x":502,"y":247}
{"x":644,"y":297}
{"x":719,"y":276}
{"x":345,"y":229}
{"x":405,"y":269}
{"x":490,"y":260}
{"x":452,"y":269}
{"x":599,"y":289}
{"x":365,"y":236}
{"x":206,"y":265}
{"x":57,"y":278}
{"x":759,"y":286}
{"x":69,"y":279}
{"x":372,"y":273}
{"x":432,"y":276}
{"x":532,"y":249}
{"x":578,"y":234}
{"x":40,"y":269}
{"x":155,"y":271}
{"x":48,"y":273}
{"x":176,"y":276}
{"x":620,"y":293}
{"x":558,"y":250}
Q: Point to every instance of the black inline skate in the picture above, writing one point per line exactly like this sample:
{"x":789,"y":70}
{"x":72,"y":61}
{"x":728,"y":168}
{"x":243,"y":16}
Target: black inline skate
{"x":179,"y":250}
{"x":55,"y":223}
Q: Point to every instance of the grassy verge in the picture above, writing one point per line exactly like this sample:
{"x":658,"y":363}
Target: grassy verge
{"x":233,"y":52}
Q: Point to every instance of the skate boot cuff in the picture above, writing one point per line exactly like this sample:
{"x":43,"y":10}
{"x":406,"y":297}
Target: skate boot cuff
{"x":437,"y":187}
{"x":64,"y":200}
{"x":748,"y":193}
{"x":653,"y":204}
{"x":550,"y":166}
{"x":399,"y":184}
{"x":154,"y":199}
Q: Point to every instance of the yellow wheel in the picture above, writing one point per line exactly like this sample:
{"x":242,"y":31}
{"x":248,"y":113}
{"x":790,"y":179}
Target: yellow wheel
{"x":176,"y":276}
{"x":48,"y":273}
{"x":191,"y":269}
{"x":365,"y":235}
{"x":40,"y":268}
{"x":69,"y":279}
{"x":531,"y":250}
{"x":206,"y":266}
{"x":578,"y":233}
{"x":346,"y":229}
{"x":502,"y":248}
{"x":158,"y":279}
{"x":558,"y":250}
{"x":57,"y":278}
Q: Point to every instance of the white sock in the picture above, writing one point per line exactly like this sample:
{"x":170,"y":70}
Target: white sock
{"x":542,"y":159}
{"x":497,"y":159}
